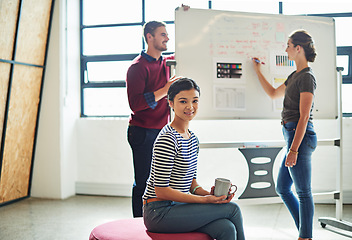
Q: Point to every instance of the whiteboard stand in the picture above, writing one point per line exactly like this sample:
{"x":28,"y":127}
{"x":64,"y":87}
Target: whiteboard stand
{"x":338,"y":222}
{"x":172,"y":65}
{"x":253,"y":167}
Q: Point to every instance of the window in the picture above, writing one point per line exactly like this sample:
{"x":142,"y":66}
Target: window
{"x":344,"y":57}
{"x":343,"y":21}
{"x":111,"y":37}
{"x":258,"y":6}
{"x":309,"y":7}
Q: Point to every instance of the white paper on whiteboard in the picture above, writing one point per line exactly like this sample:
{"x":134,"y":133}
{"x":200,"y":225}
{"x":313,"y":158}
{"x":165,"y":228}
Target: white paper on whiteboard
{"x":229,"y":97}
{"x":277,"y":81}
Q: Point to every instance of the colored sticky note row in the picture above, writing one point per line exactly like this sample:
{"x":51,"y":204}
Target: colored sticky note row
{"x":230,"y":65}
{"x":283,"y":61}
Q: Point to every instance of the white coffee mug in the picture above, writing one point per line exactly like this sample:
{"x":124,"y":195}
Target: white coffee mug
{"x":223,"y":187}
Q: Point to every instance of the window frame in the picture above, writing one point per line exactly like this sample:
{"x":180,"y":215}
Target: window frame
{"x":342,"y":50}
{"x":102,"y":58}
{"x":84,"y":59}
{"x":346,"y":79}
{"x":121,"y":83}
{"x":110,"y":84}
{"x":346,"y":50}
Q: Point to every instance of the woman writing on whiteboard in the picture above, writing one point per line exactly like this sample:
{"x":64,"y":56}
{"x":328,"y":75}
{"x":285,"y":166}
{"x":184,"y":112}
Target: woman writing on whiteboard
{"x":298,"y":131}
{"x":173,"y":200}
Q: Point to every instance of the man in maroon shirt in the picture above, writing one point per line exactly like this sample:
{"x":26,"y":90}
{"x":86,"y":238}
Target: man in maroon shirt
{"x":147,"y":86}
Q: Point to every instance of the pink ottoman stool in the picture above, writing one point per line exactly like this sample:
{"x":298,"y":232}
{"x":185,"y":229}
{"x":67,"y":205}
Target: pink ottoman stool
{"x":134,"y":229}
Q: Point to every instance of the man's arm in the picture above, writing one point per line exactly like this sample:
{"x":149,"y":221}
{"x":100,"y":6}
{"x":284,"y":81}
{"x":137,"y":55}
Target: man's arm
{"x":135,"y":83}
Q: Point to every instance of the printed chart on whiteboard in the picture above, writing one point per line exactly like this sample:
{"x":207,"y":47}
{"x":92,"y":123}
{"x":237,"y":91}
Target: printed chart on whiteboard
{"x":229,"y":98}
{"x":229,"y":84}
{"x":279,"y":68}
{"x":280,"y":64}
{"x":229,"y":70}
{"x":278,"y":102}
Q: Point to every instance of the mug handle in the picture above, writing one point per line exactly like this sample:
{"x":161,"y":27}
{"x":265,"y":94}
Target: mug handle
{"x":233,"y":185}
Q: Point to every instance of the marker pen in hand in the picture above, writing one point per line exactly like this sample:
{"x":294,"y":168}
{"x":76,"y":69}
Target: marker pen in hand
{"x":257,"y":60}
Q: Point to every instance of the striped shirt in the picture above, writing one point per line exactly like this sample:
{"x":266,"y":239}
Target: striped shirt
{"x":174,"y":162}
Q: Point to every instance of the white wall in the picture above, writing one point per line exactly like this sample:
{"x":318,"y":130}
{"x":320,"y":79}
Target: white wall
{"x":46,"y":181}
{"x":69,"y":94}
{"x":55,"y":171}
{"x":105,"y":165}
{"x":105,"y":160}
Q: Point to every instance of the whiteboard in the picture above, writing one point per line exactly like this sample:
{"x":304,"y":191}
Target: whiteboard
{"x":215,"y":49}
